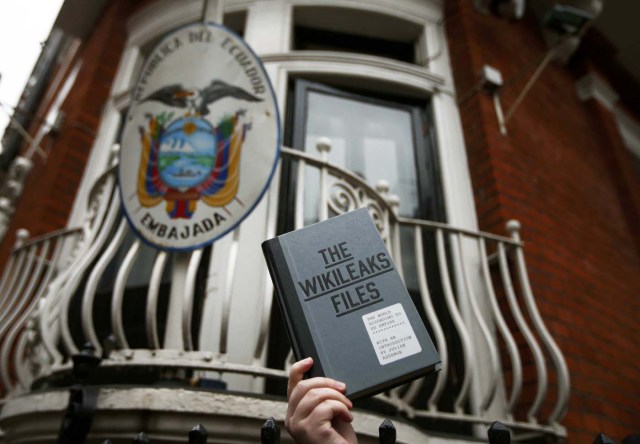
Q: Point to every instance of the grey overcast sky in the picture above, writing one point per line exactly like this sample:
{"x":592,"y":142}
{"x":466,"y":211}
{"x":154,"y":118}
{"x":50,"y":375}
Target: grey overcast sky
{"x":24,"y":24}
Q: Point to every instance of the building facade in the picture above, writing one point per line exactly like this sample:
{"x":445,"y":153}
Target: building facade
{"x":475,"y":139}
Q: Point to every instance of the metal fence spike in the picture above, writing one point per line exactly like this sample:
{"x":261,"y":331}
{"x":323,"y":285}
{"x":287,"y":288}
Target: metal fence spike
{"x":603,"y":439}
{"x":85,"y":362}
{"x":142,"y":438}
{"x":78,"y":416}
{"x":270,"y":432}
{"x":632,"y":439}
{"x":387,"y":432}
{"x":499,"y":433}
{"x":198,"y":435}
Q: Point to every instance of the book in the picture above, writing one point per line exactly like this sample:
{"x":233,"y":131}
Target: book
{"x":345,"y":305}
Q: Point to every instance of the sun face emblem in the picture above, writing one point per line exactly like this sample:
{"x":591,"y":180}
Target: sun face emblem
{"x":189,"y":127}
{"x":187,"y":153}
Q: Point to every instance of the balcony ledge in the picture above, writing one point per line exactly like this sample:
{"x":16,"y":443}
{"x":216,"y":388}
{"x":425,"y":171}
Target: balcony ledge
{"x":167,"y":414}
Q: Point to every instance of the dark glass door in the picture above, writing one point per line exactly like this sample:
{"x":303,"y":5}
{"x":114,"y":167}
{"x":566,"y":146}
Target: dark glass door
{"x":374,"y":138}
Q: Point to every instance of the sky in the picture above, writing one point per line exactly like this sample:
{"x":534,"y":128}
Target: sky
{"x":24,"y":25}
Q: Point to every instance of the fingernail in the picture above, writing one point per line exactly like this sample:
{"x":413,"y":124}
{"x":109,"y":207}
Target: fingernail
{"x":342,"y":386}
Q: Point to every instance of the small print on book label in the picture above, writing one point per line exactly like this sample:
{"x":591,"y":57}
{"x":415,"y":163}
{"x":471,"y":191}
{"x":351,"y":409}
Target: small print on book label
{"x":391,"y":334}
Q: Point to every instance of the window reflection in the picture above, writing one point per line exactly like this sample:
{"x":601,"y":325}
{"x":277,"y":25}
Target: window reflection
{"x":373,"y":141}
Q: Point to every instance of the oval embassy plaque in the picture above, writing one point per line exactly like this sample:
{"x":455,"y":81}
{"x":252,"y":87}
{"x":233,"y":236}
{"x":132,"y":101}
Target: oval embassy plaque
{"x":201,"y":139}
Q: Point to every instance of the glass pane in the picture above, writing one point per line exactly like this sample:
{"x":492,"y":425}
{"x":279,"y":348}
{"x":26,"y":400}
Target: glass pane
{"x":373,"y":141}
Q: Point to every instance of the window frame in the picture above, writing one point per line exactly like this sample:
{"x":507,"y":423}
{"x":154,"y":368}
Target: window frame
{"x":424,"y":149}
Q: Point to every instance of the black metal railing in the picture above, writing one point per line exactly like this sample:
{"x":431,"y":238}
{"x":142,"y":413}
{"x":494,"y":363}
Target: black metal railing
{"x":497,"y":433}
{"x":270,"y":434}
{"x":76,"y":423}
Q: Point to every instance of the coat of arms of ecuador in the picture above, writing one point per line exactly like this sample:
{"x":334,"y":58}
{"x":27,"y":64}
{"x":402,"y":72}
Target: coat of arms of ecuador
{"x":201,"y":139}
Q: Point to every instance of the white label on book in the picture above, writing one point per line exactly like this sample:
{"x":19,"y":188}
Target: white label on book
{"x":391,"y":334}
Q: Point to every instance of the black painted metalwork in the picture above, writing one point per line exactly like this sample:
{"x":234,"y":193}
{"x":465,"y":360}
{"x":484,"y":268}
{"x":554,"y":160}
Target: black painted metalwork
{"x":603,"y":439}
{"x":632,"y":439}
{"x":141,"y":438}
{"x":78,"y":417}
{"x":198,"y":435}
{"x":270,"y":432}
{"x":499,"y":433}
{"x":387,"y":432}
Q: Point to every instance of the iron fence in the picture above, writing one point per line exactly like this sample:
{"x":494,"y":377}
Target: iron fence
{"x":476,"y":299}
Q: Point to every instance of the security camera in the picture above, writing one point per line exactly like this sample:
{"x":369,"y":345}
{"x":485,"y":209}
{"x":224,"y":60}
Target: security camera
{"x":509,"y":9}
{"x":567,"y":20}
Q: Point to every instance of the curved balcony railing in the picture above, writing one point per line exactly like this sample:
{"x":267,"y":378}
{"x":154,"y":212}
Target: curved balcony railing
{"x":472,"y":287}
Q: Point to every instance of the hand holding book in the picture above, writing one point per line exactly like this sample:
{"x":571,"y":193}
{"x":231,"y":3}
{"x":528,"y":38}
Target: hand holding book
{"x":318,"y":410}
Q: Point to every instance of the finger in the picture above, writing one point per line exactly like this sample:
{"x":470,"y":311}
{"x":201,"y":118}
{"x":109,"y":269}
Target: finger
{"x":345,"y":429}
{"x":296,"y":373}
{"x":316,"y":396}
{"x":300,"y":390}
{"x":329,"y":410}
{"x":328,"y":423}
{"x":304,"y":386}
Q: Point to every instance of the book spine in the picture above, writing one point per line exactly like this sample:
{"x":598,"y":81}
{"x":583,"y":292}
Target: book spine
{"x":290,"y":305}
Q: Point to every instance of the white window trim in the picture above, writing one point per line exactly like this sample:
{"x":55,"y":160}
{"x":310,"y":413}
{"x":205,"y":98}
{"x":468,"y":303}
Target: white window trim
{"x":629,"y":130}
{"x":592,"y":86}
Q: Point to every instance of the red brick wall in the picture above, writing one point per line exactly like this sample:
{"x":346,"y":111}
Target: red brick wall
{"x":557,"y":173}
{"x":51,"y":186}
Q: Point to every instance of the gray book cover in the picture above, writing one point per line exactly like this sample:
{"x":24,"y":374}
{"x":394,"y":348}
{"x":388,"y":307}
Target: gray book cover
{"x":345,"y":305}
